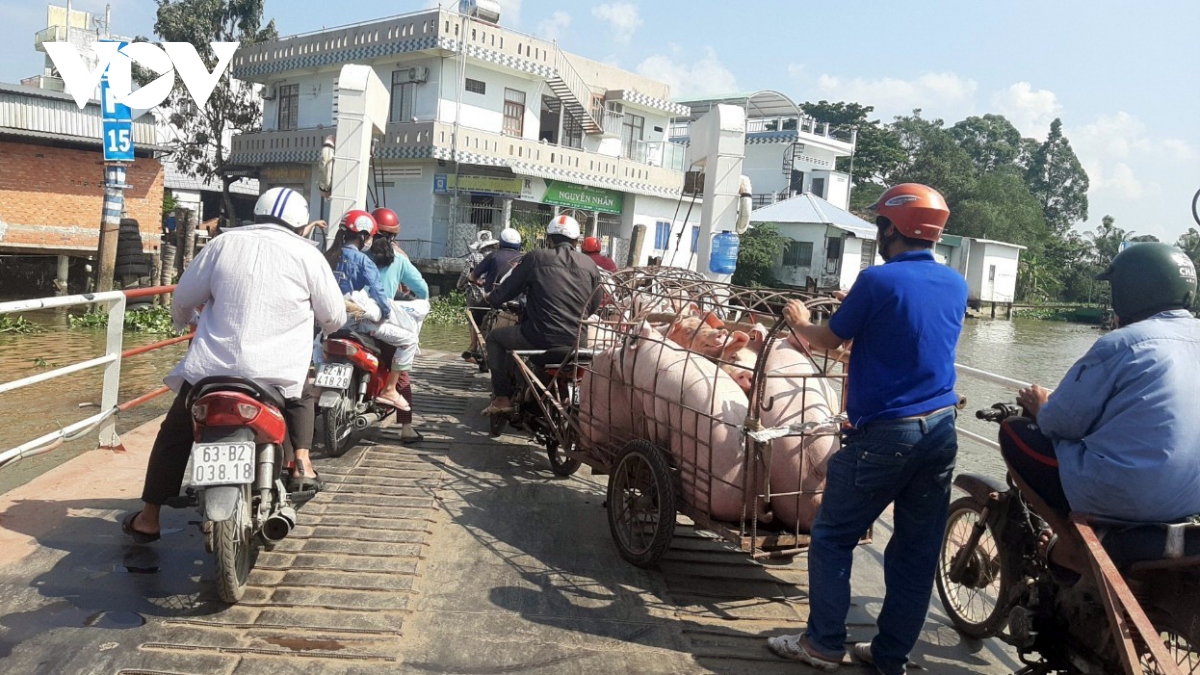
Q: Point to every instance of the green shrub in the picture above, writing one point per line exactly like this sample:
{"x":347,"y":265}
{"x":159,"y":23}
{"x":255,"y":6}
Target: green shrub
{"x":18,"y":325}
{"x":448,"y":310}
{"x":155,"y":319}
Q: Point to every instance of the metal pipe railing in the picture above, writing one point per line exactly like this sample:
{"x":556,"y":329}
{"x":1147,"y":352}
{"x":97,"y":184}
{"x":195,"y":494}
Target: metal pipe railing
{"x":114,"y":302}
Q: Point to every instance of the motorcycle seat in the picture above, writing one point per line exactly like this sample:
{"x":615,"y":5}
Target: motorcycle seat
{"x":1131,"y":543}
{"x":209,"y":385}
{"x":557,"y":357}
{"x":366,"y":341}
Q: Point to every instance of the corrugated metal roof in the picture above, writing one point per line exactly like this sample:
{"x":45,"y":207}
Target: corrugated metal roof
{"x":175,"y":179}
{"x":54,"y":115}
{"x":809,"y":208}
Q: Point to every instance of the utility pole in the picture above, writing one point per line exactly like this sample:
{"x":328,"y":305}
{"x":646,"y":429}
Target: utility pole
{"x":110,"y":226}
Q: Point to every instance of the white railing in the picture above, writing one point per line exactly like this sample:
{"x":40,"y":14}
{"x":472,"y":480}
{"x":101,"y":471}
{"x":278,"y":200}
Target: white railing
{"x":105,"y":420}
{"x":114,"y":303}
{"x":994,"y":379}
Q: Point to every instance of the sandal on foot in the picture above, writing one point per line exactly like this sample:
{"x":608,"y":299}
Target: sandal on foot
{"x":138,"y":536}
{"x":306,"y":483}
{"x":1063,"y":576}
{"x":399,"y":403}
{"x":417,"y":437}
{"x":493,"y":410}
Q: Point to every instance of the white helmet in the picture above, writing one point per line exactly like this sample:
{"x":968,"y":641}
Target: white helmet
{"x":510,"y":238}
{"x":483,"y":239}
{"x":283,"y":206}
{"x":565,"y":226}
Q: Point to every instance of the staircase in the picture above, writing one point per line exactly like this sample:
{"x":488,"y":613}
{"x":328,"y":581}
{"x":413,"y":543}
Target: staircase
{"x":574,"y":93}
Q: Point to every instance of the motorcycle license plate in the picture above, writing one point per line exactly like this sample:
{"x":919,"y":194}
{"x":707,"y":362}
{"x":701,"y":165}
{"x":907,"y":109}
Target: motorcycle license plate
{"x":334,"y":375}
{"x":229,"y":463}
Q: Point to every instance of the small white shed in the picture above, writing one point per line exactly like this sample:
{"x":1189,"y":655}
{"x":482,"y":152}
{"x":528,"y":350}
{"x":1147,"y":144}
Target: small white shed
{"x":829,"y":246}
{"x":991,"y":270}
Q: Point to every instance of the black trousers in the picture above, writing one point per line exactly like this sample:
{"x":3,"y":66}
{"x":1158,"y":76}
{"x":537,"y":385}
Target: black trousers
{"x":173,"y":446}
{"x":1031,"y":455}
{"x":499,"y":343}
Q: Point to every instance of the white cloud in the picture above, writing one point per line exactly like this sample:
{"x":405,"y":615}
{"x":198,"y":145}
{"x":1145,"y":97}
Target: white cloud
{"x":939,"y":94}
{"x":552,"y":28}
{"x":1116,"y":180}
{"x":704,"y":76}
{"x":1117,"y":152}
{"x":796,"y":69}
{"x":622,"y":17}
{"x":1031,"y":112}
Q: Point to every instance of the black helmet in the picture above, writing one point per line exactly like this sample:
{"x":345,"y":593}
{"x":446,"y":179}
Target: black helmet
{"x":1150,"y":278}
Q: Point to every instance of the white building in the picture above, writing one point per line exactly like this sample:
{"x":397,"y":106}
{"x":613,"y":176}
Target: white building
{"x":787,"y":152}
{"x":828,"y":247}
{"x":990,"y":267}
{"x":488,"y":126}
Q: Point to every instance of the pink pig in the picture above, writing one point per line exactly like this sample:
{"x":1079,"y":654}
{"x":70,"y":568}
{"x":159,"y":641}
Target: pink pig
{"x":695,"y":409}
{"x":605,"y":401}
{"x":798,"y":463}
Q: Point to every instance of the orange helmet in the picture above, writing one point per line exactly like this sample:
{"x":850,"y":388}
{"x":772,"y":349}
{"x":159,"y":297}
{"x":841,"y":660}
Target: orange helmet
{"x":387,"y":220}
{"x":591,"y":245}
{"x":359,"y":221}
{"x":918,"y":211}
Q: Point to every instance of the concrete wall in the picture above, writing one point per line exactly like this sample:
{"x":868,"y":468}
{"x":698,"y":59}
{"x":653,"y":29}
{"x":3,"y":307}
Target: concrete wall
{"x":982,"y":285}
{"x":604,"y":76}
{"x":486,"y":111}
{"x":649,"y":211}
{"x":814,"y":233}
{"x":53,"y":197}
{"x":411,"y":197}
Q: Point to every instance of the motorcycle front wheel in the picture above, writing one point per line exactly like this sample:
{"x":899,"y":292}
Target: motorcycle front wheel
{"x":974,"y":596}
{"x":1179,"y":627}
{"x":233,"y":546}
{"x":339,"y":422}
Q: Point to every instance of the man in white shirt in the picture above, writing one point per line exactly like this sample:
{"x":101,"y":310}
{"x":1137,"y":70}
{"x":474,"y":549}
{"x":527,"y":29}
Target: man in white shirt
{"x":257,"y":290}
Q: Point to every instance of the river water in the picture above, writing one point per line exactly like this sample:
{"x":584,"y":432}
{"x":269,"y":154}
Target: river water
{"x":1023,"y":349}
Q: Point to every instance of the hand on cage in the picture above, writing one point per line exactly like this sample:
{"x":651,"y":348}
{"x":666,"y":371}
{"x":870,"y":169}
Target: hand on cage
{"x":797,"y":314}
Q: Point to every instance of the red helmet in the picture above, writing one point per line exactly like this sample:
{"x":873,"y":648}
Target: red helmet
{"x":387,"y":220}
{"x":917,"y":211}
{"x":359,"y":221}
{"x":591,"y":245}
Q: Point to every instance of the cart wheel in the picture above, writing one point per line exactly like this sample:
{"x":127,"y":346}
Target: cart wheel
{"x":496,"y":424}
{"x":641,"y":503}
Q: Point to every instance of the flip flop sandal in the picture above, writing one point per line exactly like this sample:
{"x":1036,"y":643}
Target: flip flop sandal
{"x":493,"y":410}
{"x":306,"y":483}
{"x":393,"y":404}
{"x":137,"y":536}
{"x":412,"y":440}
{"x":1063,"y":576}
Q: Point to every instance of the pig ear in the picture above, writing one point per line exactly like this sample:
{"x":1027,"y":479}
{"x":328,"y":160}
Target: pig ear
{"x":691,"y":309}
{"x":713,"y":320}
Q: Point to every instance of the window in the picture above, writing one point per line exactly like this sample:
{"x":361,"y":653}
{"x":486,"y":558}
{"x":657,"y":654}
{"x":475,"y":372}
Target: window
{"x":695,"y":237}
{"x":818,"y":187}
{"x":631,"y":133}
{"x":289,"y":106}
{"x":514,"y":112}
{"x":403,"y":92}
{"x":868,"y":253}
{"x":798,"y":254}
{"x":476,"y":86}
{"x":662,"y":235}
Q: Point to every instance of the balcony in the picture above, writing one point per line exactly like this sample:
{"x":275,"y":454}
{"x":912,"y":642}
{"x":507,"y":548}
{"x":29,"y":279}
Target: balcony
{"x":658,"y":173}
{"x":45,"y":82}
{"x":663,"y":154}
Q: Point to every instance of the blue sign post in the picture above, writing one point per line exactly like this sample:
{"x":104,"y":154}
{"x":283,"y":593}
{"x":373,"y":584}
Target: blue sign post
{"x":118,"y":126}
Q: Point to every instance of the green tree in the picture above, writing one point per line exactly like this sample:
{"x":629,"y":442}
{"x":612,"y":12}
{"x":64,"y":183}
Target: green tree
{"x":1107,"y":240}
{"x":234,"y":107}
{"x":1057,"y":179}
{"x":933,"y":157}
{"x":1142,"y":238}
{"x":759,"y":248}
{"x":877,"y":151}
{"x":1000,"y":207}
{"x":1189,"y":243}
{"x":991,"y":141}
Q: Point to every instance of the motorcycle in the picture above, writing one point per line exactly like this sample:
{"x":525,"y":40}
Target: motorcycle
{"x":354,"y":373}
{"x":237,"y":482}
{"x":993,"y":582}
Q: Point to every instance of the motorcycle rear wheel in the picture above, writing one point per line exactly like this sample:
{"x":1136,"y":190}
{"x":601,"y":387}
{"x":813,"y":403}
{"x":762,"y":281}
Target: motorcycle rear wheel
{"x":1179,"y":629}
{"x":339,"y":423}
{"x":976,"y":601}
{"x":233,"y":546}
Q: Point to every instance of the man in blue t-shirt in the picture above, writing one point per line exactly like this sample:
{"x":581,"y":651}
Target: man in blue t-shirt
{"x":904,"y":318}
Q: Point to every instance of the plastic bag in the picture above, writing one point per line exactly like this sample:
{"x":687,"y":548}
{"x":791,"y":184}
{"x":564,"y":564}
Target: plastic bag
{"x":409,"y":314}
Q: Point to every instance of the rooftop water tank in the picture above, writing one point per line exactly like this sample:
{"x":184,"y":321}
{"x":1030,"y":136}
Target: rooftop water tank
{"x":484,"y":10}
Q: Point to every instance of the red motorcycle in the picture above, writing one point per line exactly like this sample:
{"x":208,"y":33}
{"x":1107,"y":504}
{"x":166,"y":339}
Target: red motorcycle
{"x":237,"y":462}
{"x":355,"y":372}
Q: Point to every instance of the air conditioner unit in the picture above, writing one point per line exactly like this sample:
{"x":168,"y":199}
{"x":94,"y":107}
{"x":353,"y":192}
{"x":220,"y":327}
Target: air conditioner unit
{"x":270,"y":92}
{"x":417,"y":75}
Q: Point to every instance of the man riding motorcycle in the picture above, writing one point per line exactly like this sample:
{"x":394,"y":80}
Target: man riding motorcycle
{"x":496,"y":264}
{"x":560,"y":287}
{"x":261,"y":287}
{"x":591,"y":247}
{"x":1119,"y":438}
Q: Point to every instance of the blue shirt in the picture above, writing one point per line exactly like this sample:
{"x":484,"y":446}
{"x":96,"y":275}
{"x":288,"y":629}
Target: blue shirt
{"x":493,"y":268}
{"x":402,"y":271}
{"x":1125,"y":424}
{"x":904,"y":317}
{"x":357,"y":271}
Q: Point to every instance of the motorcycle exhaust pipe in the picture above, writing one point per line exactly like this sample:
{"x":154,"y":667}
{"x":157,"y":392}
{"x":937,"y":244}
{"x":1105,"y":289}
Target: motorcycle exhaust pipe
{"x":366,"y":419}
{"x":279,"y":525}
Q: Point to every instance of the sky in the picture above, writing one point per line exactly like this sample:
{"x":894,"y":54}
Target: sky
{"x":1124,"y":76}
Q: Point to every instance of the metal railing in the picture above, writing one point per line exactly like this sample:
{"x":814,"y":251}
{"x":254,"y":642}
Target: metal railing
{"x":114,"y":303}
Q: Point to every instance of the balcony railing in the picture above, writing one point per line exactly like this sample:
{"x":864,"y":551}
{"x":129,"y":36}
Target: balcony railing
{"x":663,"y":154}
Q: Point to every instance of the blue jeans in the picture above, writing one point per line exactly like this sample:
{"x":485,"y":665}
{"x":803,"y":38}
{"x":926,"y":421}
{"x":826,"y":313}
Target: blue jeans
{"x":909,"y":462}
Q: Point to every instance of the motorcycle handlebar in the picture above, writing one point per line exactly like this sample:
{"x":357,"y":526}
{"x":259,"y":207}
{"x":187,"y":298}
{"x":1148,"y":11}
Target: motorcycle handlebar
{"x":999,"y":412}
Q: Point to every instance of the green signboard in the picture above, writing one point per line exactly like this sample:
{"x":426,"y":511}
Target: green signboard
{"x":583,"y":197}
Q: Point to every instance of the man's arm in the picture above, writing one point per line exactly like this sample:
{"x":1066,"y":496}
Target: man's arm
{"x":512,"y":286}
{"x":328,"y":304}
{"x":799,"y":318}
{"x":1072,"y":410}
{"x":195,"y":286}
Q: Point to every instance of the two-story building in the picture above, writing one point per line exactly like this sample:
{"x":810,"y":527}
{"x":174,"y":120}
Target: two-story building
{"x":487,"y":127}
{"x":787,"y":152}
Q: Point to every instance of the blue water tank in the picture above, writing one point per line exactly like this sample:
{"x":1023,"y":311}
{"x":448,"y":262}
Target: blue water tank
{"x":724,"y":253}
